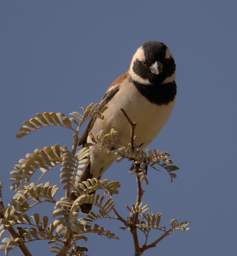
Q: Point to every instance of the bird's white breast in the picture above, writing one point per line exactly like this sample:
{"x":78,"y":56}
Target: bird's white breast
{"x":149,"y":117}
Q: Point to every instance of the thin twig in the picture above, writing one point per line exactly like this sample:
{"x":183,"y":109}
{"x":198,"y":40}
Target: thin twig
{"x":67,"y":193}
{"x":140,"y":190}
{"x":158,"y":240}
{"x":133,"y":228}
{"x":133,"y":126}
{"x":119,"y":217}
{"x":146,"y":237}
{"x":11,"y":230}
{"x":67,"y":245}
{"x":135,"y":241}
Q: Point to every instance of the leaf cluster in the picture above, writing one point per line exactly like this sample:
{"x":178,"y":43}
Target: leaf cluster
{"x":67,"y":226}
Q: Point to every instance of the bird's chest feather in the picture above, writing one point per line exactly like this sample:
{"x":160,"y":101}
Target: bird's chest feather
{"x":149,"y":117}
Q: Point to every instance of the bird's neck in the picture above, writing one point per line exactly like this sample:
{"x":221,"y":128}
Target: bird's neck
{"x":159,"y":94}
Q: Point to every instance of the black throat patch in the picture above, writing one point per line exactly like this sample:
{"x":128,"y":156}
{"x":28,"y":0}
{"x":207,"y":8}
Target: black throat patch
{"x":159,"y":94}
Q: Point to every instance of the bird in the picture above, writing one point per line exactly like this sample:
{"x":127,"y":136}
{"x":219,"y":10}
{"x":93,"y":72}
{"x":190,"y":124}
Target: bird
{"x":146,"y":92}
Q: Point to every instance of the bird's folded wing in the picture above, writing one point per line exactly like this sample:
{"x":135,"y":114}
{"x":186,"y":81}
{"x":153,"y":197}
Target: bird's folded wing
{"x":110,"y":93}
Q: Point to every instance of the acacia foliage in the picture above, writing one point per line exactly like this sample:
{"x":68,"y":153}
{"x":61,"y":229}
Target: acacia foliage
{"x":67,"y":226}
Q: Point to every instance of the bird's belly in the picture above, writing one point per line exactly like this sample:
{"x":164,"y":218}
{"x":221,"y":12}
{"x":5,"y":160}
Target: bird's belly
{"x":149,"y":122}
{"x":149,"y":119}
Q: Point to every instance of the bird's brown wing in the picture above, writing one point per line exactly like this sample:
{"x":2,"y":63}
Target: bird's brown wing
{"x":111,"y":91}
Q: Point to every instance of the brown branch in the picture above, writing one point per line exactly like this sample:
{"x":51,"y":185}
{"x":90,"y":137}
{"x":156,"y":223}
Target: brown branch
{"x":146,"y":237}
{"x":140,"y":190}
{"x":133,"y":231}
{"x":134,"y":221}
{"x":11,"y":230}
{"x":20,"y":242}
{"x":67,"y":245}
{"x":119,"y":217}
{"x":133,"y":126}
{"x":158,"y":240}
{"x":136,"y":241}
{"x":67,"y":193}
{"x":133,"y":228}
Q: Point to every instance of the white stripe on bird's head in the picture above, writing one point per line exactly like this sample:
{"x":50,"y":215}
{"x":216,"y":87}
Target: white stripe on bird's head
{"x":138,"y":56}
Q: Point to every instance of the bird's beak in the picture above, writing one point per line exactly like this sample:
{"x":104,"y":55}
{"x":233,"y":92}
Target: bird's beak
{"x":155,"y":68}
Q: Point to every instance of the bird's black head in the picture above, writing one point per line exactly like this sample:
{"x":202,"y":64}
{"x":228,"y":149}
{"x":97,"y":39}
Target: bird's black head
{"x":152,"y":63}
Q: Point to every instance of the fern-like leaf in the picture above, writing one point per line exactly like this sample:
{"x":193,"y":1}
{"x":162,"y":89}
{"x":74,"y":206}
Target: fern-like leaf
{"x":56,"y":247}
{"x":83,"y":199}
{"x":42,"y":159}
{"x":99,"y":230}
{"x":89,"y":111}
{"x":83,"y":159}
{"x":12,"y":217}
{"x":151,"y":221}
{"x":62,"y":207}
{"x":111,"y":187}
{"x":182,"y":226}
{"x":44,"y":119}
{"x":35,"y":193}
{"x":91,"y":185}
{"x":68,"y":170}
{"x":8,"y":243}
{"x":104,"y":205}
{"x":88,"y":186}
{"x":39,"y":230}
{"x":158,"y":158}
{"x":138,"y":208}
{"x":90,"y":217}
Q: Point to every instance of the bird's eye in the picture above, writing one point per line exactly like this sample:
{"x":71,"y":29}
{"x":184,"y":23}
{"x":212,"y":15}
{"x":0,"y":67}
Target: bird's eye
{"x":144,"y":64}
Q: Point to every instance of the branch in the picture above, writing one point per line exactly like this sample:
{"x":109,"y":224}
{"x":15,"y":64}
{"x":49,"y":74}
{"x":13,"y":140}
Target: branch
{"x":146,"y":234}
{"x":137,"y":248}
{"x":158,"y":240}
{"x":119,"y":217}
{"x":67,"y":245}
{"x":67,"y":193}
{"x":140,"y":190}
{"x":133,"y":227}
{"x":133,"y":126}
{"x":11,"y":230}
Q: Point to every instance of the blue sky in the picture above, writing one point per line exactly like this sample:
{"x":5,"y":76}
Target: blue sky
{"x":60,"y":55}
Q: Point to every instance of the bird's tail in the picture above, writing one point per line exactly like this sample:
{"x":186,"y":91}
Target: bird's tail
{"x":93,"y":164}
{"x":86,"y":208}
